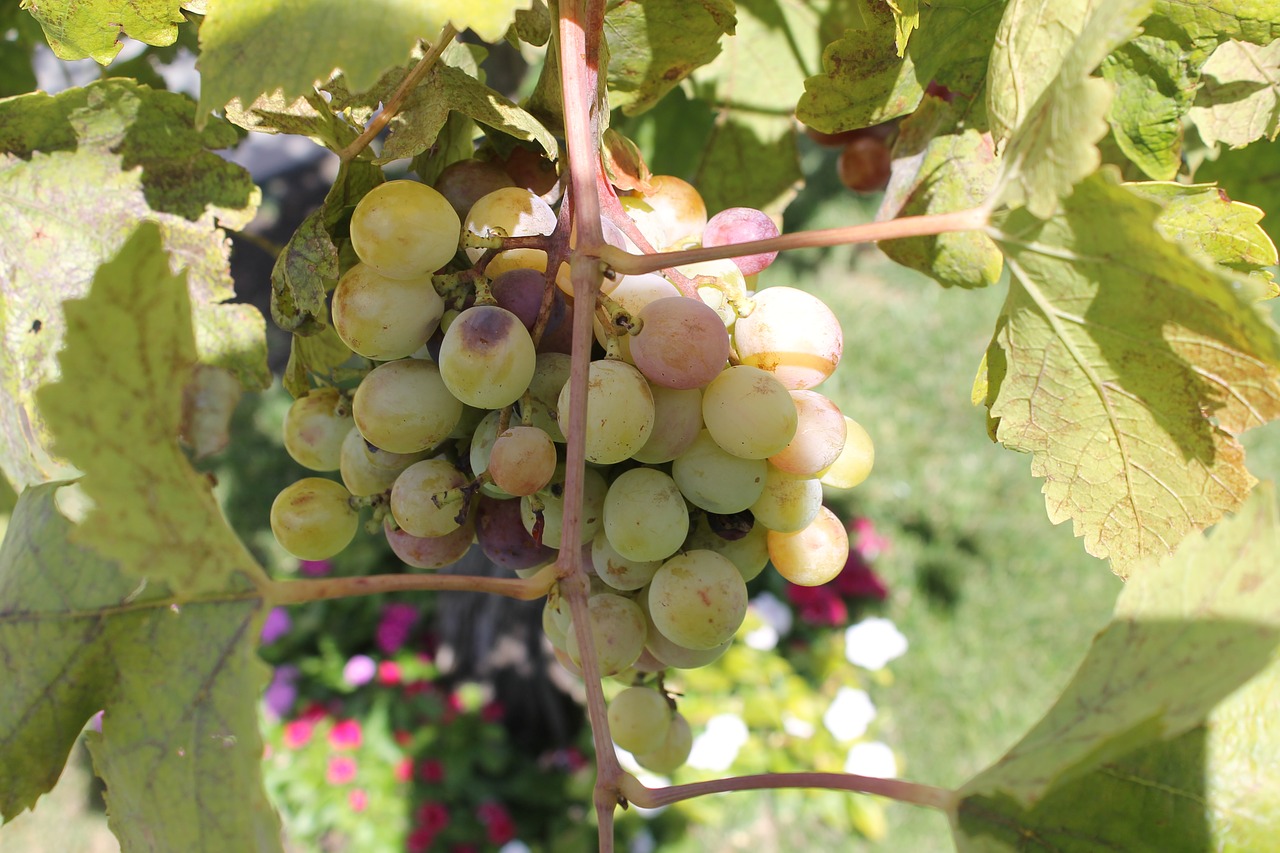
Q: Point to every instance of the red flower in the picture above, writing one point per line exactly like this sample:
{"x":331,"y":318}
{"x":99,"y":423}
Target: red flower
{"x":420,"y":840}
{"x":297,"y":733}
{"x":499,"y":826}
{"x":492,"y":712}
{"x":345,"y":734}
{"x":403,"y":738}
{"x":818,"y":605}
{"x":431,"y":771}
{"x":403,"y":771}
{"x":358,"y":799}
{"x":341,"y":770}
{"x":432,"y":817}
{"x":388,"y":673}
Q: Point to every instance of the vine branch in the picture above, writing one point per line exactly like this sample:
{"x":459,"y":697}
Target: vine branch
{"x":896,"y":789}
{"x":299,"y":591}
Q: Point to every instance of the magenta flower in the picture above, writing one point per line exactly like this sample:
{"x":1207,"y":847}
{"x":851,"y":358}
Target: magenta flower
{"x":342,"y":769}
{"x":276,"y":625}
{"x":314,"y":568}
{"x":297,"y":733}
{"x":282,"y":692}
{"x":345,"y":734}
{"x":499,"y":827}
{"x":431,"y":771}
{"x":358,"y":799}
{"x":395,"y":626}
{"x":403,"y":770}
{"x":432,"y":816}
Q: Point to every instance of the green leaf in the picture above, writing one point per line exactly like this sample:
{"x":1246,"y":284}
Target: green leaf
{"x":1052,"y":110}
{"x":17,"y":76}
{"x":304,"y":272}
{"x":1252,"y":175}
{"x":83,"y":169}
{"x":77,"y":29}
{"x":1127,"y":366}
{"x":906,"y":17}
{"x":864,"y":80}
{"x":240,"y":42}
{"x":1239,"y":97}
{"x":656,"y":44}
{"x":943,"y":162}
{"x":306,"y":115}
{"x":1125,"y":759}
{"x":178,"y":681}
{"x":116,"y":412}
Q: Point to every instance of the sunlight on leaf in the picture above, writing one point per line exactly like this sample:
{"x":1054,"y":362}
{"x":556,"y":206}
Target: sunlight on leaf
{"x":1239,"y":98}
{"x":91,"y":28}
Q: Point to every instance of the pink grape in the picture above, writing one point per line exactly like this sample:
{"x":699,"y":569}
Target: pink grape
{"x":430,"y":552}
{"x":522,"y":460}
{"x":819,"y":437}
{"x":682,"y":343}
{"x":742,"y":225}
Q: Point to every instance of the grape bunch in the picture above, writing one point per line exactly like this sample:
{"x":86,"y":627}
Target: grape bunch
{"x":708,"y":447}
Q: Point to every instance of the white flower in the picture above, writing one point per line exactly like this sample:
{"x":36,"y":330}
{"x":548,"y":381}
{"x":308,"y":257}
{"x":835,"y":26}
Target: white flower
{"x":797,"y":727}
{"x":873,"y":642}
{"x":850,"y":714}
{"x":516,"y":846}
{"x":762,"y":639}
{"x":775,"y":614}
{"x":718,"y":745}
{"x":871,"y":758}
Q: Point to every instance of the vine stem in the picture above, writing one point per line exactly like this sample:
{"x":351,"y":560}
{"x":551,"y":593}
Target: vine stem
{"x":297,"y":592}
{"x":905,"y":792}
{"x":971,"y":219}
{"x":397,"y":99}
{"x":581,"y":28}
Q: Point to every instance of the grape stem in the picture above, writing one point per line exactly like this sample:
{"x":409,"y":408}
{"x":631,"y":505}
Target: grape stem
{"x":895,"y":789}
{"x":625,"y":262}
{"x":393,"y":104}
{"x":299,"y":592}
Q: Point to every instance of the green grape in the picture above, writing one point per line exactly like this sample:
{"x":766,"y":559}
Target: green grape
{"x":314,"y":428}
{"x":313,"y":519}
{"x":617,"y":632}
{"x":698,"y":599}
{"x":788,"y":503}
{"x":638,"y":719}
{"x":749,"y":412}
{"x":416,"y":492}
{"x":487,"y":358}
{"x":554,"y":623}
{"x":716,"y":480}
{"x":385,"y":318}
{"x":404,"y":229}
{"x":404,"y":407}
{"x":814,"y":555}
{"x":619,"y":411}
{"x":857,"y":457}
{"x":511,"y":212}
{"x":616,"y":570}
{"x":369,"y":471}
{"x":674,"y":751}
{"x":677,"y":420}
{"x":791,"y":334}
{"x":750,"y":553}
{"x":820,"y":434}
{"x":645,"y":517}
{"x":522,"y":460}
{"x":594,"y":488}
{"x":550,"y":372}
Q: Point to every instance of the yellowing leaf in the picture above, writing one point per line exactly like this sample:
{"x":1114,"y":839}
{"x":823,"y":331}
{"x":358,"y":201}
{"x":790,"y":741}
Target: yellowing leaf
{"x":1239,"y":97}
{"x":1127,"y":367}
{"x":116,"y":413}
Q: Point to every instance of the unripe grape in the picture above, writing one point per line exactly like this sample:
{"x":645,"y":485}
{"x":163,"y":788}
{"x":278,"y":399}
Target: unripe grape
{"x":677,"y":420}
{"x":430,"y":552}
{"x":415,"y":495}
{"x":487,"y":357}
{"x":385,"y":318}
{"x":788,"y":503}
{"x":550,"y":373}
{"x":819,"y":438}
{"x":616,"y":570}
{"x":617,"y":632}
{"x":645,"y":517}
{"x":698,"y":599}
{"x":465,"y":182}
{"x":404,"y":406}
{"x":814,"y":555}
{"x":522,"y":460}
{"x":857,"y":457}
{"x":314,"y":428}
{"x":678,"y":206}
{"x":631,"y":295}
{"x":511,"y":212}
{"x":594,"y":488}
{"x":792,"y":334}
{"x":370,"y":471}
{"x":404,"y":229}
{"x":750,"y":553}
{"x":674,"y":751}
{"x":619,"y":411}
{"x":716,"y":480}
{"x":749,"y":413}
{"x":639,"y":718}
{"x":313,"y":519}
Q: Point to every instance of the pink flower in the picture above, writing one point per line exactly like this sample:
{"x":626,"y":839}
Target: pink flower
{"x":358,"y":799}
{"x":403,"y":770}
{"x":359,"y":671}
{"x":395,"y":626}
{"x":389,"y":673}
{"x":499,"y":826}
{"x":867,"y":541}
{"x":818,"y":605}
{"x":342,"y":770}
{"x":420,"y":840}
{"x":315,"y":568}
{"x":432,"y":816}
{"x":345,"y":734}
{"x":297,"y":733}
{"x":431,"y":771}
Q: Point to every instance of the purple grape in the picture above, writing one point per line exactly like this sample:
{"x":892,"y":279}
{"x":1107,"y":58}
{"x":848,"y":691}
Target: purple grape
{"x":502,"y":536}
{"x":742,"y":225}
{"x":464,"y":182}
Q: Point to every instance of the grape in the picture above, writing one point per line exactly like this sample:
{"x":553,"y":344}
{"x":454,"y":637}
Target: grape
{"x":486,"y":433}
{"x":367,"y":470}
{"x":698,"y":599}
{"x":617,"y":632}
{"x":404,"y":229}
{"x":750,"y":553}
{"x":502,"y":536}
{"x":856,"y":459}
{"x":616,"y":570}
{"x":865,"y":164}
{"x":749,"y":413}
{"x":531,"y":170}
{"x":647,"y":220}
{"x":814,"y":555}
{"x":312,"y":519}
{"x":677,"y":420}
{"x":430,"y":552}
{"x":314,"y":428}
{"x":819,"y":437}
{"x":674,"y":751}
{"x":385,"y":318}
{"x":619,"y":411}
{"x":682,"y":343}
{"x":721,"y":277}
{"x":645,"y":517}
{"x":791,"y":334}
{"x":552,"y":625}
{"x":414,"y":496}
{"x":677,"y":656}
{"x":487,"y":357}
{"x":522,"y":460}
{"x":613,"y":236}
{"x":511,"y":212}
{"x":404,"y":407}
{"x":742,"y":225}
{"x":716,"y":480}
{"x":594,"y":488}
{"x":550,"y":373}
{"x":638,"y":719}
{"x":520,"y":292}
{"x":464,"y":182}
{"x":631,"y":295}
{"x":677,"y":206}
{"x":789,"y":502}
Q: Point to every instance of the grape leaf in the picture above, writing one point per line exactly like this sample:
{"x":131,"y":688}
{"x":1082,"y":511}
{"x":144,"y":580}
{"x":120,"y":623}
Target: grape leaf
{"x":77,"y":29}
{"x":1053,"y":111}
{"x":1128,"y":738}
{"x":241,"y":42}
{"x":303,"y":273}
{"x":1127,"y":366}
{"x":319,"y":354}
{"x":22,"y":34}
{"x":1239,"y":97}
{"x":306,"y":115}
{"x":1157,"y":74}
{"x":116,"y":412}
{"x":78,"y":172}
{"x":928,"y":177}
{"x":1252,"y":175}
{"x":178,"y":681}
{"x":864,"y":80}
{"x":906,"y":17}
{"x":656,"y":44}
